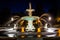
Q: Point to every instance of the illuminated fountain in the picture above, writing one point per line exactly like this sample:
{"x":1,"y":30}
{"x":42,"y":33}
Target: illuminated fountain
{"x":43,"y":22}
{"x":30,"y":19}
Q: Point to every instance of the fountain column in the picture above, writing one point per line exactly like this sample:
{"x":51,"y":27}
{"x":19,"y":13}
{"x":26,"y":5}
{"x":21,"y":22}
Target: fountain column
{"x":30,"y":26}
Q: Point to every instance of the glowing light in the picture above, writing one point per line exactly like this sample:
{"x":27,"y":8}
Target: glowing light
{"x":39,"y":30}
{"x":59,"y":32}
{"x":51,"y":30}
{"x":51,"y":35}
{"x":12,"y":19}
{"x":10,"y":35}
{"x":22,"y":36}
{"x":38,"y":36}
{"x":22,"y":29}
{"x":49,"y":18}
{"x":58,"y":19}
{"x":10,"y":29}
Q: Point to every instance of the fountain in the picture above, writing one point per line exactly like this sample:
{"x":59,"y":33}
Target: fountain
{"x":42,"y":21}
{"x":30,"y":19}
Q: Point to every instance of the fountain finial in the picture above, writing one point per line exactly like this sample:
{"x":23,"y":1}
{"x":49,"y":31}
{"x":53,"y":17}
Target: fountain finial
{"x":30,"y":10}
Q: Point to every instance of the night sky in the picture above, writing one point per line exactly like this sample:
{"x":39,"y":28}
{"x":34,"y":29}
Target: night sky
{"x":10,"y":7}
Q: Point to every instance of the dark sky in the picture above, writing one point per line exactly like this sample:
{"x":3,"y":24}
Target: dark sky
{"x":21,"y":5}
{"x":16,"y":6}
